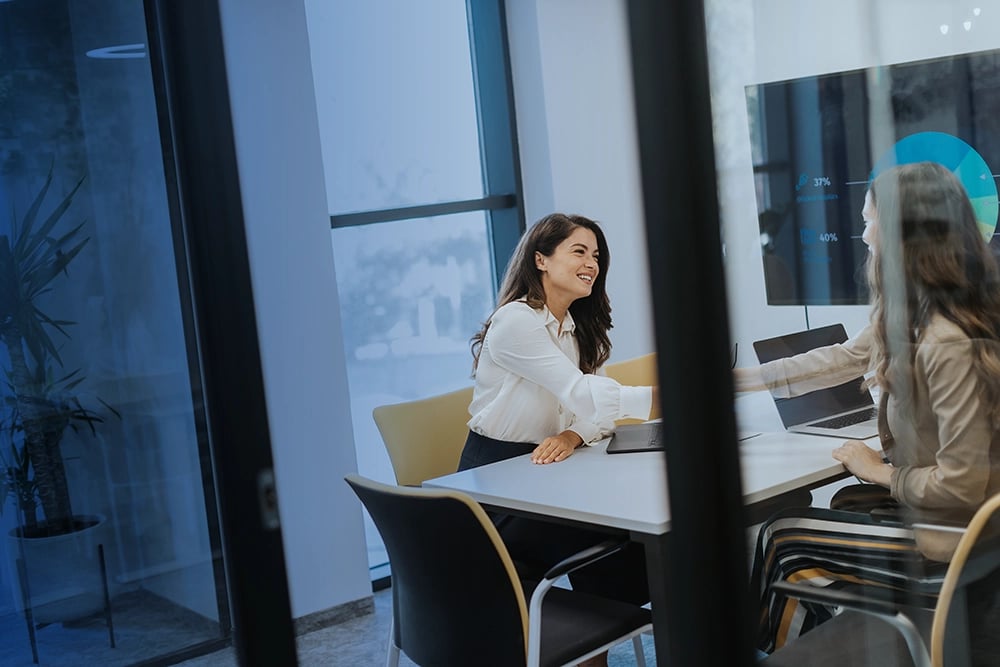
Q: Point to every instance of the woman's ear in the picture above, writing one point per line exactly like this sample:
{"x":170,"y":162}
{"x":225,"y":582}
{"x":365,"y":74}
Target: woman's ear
{"x":539,"y":261}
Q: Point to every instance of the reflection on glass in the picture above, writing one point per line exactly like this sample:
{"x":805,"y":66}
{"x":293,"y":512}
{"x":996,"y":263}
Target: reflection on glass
{"x":412,"y":293}
{"x":107,"y":535}
{"x":857,"y":93}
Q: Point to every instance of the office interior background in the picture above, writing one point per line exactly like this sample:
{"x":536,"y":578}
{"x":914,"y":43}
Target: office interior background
{"x":340,"y":111}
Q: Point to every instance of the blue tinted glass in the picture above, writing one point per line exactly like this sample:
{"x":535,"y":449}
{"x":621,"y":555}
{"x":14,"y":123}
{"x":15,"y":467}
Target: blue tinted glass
{"x":103,"y":462}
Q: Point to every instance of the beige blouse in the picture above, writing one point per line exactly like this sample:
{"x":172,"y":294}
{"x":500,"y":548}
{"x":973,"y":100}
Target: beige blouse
{"x":940,"y":440}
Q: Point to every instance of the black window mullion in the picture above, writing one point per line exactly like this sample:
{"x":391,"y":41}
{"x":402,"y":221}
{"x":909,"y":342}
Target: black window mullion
{"x":708,"y":592}
{"x":497,"y":128}
{"x":489,"y":203}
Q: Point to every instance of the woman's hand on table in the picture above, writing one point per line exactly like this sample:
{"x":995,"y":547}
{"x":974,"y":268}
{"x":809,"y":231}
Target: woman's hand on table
{"x":556,"y":448}
{"x":864,"y":462}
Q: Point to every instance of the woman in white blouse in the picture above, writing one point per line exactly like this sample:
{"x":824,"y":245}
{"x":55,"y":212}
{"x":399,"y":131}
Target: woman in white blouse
{"x":538,"y":359}
{"x":539,"y":387}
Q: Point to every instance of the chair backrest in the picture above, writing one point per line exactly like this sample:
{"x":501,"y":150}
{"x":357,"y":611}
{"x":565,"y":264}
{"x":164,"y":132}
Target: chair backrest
{"x":969,"y":560}
{"x":425,"y":437}
{"x":637,"y":372}
{"x":457,"y":599}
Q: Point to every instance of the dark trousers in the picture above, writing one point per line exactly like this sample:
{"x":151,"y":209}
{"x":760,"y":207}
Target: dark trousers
{"x":537,"y":545}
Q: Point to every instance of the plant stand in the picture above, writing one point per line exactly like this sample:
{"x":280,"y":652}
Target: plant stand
{"x":22,"y":575}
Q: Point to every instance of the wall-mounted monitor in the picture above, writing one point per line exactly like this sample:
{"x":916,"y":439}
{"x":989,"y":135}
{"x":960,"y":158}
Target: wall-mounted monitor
{"x":816,"y":143}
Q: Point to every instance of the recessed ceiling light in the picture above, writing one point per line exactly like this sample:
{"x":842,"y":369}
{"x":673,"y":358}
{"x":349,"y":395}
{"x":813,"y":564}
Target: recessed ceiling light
{"x":117,"y":52}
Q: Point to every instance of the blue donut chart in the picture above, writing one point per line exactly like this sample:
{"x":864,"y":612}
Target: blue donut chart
{"x":957,"y":156}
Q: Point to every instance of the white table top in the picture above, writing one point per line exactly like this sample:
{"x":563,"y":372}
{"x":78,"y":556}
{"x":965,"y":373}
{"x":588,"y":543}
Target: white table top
{"x":629,"y":491}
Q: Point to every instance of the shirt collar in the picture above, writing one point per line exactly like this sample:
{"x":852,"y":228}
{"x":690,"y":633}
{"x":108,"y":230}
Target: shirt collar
{"x":568,"y":325}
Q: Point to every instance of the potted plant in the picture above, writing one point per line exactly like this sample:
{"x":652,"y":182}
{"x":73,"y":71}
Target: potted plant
{"x":40,"y":404}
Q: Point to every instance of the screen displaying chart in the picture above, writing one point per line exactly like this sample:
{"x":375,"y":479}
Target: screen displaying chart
{"x":817,"y":142}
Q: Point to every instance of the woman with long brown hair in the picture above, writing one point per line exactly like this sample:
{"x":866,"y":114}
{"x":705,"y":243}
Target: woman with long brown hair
{"x":933,"y":350}
{"x":539,"y":389}
{"x":537,"y":359}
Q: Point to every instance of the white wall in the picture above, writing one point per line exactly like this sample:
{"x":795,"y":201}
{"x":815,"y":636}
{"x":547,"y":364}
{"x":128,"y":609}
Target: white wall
{"x":288,"y":233}
{"x":572,"y":87}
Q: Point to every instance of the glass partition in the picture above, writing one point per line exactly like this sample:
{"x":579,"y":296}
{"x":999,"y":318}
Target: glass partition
{"x":111,"y":551}
{"x":857,"y":158}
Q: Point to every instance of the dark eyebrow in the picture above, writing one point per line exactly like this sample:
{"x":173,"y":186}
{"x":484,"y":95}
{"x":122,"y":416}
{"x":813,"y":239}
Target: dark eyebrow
{"x":584,"y":246}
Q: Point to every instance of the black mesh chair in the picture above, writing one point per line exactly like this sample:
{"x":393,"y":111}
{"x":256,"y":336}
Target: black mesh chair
{"x":457,"y":599}
{"x":962,"y":630}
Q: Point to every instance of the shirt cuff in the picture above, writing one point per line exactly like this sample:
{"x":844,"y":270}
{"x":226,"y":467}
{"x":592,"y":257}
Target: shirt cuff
{"x":590,"y":433}
{"x":635,"y":402}
{"x":896,"y":484}
{"x":773,"y":376}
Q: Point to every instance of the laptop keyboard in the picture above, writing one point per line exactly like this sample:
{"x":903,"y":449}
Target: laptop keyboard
{"x":848,"y":420}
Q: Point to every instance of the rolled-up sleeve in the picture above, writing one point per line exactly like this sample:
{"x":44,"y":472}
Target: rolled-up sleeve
{"x":518,"y":342}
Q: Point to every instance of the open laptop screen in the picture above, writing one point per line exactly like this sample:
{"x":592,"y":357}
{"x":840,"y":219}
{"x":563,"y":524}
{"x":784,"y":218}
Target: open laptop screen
{"x":821,"y":403}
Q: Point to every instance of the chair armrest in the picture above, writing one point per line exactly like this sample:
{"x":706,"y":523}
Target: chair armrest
{"x":585,"y":557}
{"x":837,"y":597}
{"x":886,"y":610}
{"x":953,"y":527}
{"x":567,"y":565}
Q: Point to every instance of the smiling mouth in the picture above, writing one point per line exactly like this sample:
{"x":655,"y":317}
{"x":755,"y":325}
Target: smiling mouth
{"x":585,"y":278}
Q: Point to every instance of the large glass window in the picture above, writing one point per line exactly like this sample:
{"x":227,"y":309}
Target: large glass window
{"x":418,"y":151}
{"x":399,"y":115}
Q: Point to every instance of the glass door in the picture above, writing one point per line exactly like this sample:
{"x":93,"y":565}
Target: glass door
{"x":112,"y":542}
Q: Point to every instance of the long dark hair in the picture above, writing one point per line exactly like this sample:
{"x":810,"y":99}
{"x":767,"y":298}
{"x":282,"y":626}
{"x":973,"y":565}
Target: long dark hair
{"x":523,"y":280}
{"x":931,"y":259}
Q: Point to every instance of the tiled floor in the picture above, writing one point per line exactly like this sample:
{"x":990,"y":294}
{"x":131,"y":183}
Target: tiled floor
{"x":362,"y":641}
{"x":145,"y":626}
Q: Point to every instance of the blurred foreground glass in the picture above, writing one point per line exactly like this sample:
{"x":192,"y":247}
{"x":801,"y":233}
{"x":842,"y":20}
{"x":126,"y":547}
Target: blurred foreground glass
{"x":110,"y":532}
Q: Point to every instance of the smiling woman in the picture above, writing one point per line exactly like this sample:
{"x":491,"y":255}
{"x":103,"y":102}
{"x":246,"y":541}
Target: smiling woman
{"x":540,"y":389}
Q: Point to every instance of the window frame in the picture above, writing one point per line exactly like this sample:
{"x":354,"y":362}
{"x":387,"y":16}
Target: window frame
{"x":502,"y":199}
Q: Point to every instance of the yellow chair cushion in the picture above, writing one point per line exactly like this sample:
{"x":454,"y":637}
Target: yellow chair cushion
{"x":425,"y":437}
{"x":637,"y":372}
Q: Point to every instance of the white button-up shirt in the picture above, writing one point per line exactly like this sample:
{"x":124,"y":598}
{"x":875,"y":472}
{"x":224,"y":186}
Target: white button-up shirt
{"x":529,"y":385}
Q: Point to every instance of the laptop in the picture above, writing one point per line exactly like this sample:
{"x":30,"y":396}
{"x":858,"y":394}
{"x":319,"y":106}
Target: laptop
{"x":844,"y":411}
{"x":648,"y":437}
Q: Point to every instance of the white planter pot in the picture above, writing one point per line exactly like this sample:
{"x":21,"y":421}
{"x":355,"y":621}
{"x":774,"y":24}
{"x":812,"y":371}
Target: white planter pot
{"x":63,"y":572}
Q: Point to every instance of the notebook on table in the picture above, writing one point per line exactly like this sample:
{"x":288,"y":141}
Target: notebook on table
{"x":844,"y":411}
{"x":648,"y":437}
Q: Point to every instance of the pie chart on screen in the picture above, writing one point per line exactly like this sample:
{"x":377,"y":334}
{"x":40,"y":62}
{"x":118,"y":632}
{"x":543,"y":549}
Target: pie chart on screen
{"x":958,"y":156}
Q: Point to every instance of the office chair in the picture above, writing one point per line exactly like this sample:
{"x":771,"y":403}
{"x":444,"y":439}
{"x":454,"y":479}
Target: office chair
{"x":425,"y":437}
{"x":636,"y":372}
{"x":871,"y":631}
{"x":457,"y":599}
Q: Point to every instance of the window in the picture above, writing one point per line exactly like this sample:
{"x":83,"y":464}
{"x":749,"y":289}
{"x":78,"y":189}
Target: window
{"x":424,"y":194}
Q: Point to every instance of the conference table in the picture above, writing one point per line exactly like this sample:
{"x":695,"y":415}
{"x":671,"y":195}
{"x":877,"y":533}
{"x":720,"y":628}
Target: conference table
{"x":628,"y":492}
